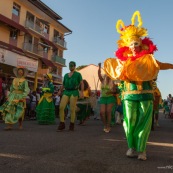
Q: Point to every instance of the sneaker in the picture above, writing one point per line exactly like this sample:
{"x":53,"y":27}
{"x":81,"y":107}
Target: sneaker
{"x":142,"y":156}
{"x":61,"y":126}
{"x":130,"y":153}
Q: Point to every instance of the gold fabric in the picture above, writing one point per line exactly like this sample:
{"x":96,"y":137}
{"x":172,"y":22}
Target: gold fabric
{"x":48,"y":97}
{"x":144,"y":68}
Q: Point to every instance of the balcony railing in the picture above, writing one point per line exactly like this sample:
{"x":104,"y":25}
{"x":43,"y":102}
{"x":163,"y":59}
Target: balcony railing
{"x":36,"y":49}
{"x":60,"y":42}
{"x":58,"y":59}
{"x":34,"y":26}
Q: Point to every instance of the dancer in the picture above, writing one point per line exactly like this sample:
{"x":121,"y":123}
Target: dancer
{"x":13,"y":110}
{"x":107,"y":99}
{"x":156,"y":104}
{"x":70,"y":86}
{"x":84,"y":107}
{"x":45,"y":110}
{"x":136,"y":67}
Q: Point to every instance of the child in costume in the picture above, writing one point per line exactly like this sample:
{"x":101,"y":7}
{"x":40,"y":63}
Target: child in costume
{"x":13,"y":110}
{"x":136,"y":67}
{"x":45,"y":110}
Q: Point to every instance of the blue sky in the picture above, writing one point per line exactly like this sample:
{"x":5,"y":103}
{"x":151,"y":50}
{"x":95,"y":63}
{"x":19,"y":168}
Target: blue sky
{"x":94,"y":35}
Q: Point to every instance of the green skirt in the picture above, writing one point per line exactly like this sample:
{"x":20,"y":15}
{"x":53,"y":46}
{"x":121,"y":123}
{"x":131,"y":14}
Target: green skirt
{"x":45,"y":112}
{"x":84,"y":111}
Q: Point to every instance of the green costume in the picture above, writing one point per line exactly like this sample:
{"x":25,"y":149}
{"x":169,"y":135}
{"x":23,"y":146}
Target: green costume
{"x":71,"y":84}
{"x":13,"y":109}
{"x":46,"y":109}
{"x":138,"y":107}
{"x":71,"y":93}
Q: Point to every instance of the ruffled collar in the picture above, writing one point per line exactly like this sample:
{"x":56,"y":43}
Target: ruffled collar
{"x":124,"y":53}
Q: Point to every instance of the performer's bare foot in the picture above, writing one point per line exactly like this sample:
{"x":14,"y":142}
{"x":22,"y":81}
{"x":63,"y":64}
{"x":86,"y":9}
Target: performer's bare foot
{"x":9,"y":127}
{"x":20,"y":127}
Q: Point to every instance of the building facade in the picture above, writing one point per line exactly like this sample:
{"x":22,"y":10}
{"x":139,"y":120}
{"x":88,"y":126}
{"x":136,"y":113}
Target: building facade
{"x":90,"y":74}
{"x":31,"y":35}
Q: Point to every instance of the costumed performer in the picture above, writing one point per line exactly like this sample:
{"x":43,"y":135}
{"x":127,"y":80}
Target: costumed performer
{"x":45,"y":110}
{"x":13,"y":110}
{"x":136,"y":67}
{"x":70,"y":87}
{"x":84,"y":107}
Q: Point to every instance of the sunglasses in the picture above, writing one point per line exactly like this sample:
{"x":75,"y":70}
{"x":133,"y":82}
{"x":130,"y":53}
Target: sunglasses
{"x":71,"y":65}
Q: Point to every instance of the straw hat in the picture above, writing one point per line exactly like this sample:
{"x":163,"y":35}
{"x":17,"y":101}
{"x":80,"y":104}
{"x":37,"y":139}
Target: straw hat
{"x":15,"y":71}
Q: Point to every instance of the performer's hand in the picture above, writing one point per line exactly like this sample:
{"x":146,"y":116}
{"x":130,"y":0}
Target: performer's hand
{"x":99,"y":64}
{"x":15,"y":101}
{"x":21,"y":100}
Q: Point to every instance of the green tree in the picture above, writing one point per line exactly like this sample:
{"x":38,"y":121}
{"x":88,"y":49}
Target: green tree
{"x":80,"y":67}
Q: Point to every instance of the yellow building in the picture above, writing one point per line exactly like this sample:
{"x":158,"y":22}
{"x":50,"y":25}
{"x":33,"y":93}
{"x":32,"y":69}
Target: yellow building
{"x":32,"y":35}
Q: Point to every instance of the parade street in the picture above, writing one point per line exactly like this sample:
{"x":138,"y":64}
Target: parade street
{"x":40,"y":149}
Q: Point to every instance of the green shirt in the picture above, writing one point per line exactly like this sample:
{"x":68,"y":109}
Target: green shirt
{"x":104,"y":90}
{"x":71,"y":84}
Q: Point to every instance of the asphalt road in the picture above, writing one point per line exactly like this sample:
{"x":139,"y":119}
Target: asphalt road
{"x":40,"y":149}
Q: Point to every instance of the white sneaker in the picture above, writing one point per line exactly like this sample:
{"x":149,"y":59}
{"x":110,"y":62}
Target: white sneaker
{"x":130,"y":153}
{"x":142,"y":156}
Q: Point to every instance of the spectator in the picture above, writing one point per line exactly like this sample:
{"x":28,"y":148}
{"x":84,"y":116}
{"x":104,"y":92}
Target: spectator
{"x":57,"y":99}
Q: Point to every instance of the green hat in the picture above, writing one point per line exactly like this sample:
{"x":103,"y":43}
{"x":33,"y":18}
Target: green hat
{"x":72,"y":62}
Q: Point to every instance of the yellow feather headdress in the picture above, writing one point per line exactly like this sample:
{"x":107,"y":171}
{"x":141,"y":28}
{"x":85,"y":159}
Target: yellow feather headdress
{"x":131,"y":32}
{"x":49,"y":76}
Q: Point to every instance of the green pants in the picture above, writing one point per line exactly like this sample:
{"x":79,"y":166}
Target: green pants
{"x":137,"y":123}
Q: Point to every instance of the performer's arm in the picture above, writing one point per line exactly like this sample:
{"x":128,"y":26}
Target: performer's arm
{"x":164,"y":66}
{"x":99,"y":73}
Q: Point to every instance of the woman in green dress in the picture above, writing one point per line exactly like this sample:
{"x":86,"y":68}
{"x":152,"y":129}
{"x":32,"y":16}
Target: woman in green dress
{"x":13,"y":109}
{"x":45,"y":110}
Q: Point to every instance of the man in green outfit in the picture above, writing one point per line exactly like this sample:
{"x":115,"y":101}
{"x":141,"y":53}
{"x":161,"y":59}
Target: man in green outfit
{"x":70,"y":94}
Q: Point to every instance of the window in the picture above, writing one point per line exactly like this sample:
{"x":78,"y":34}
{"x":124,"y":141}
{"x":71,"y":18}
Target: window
{"x":55,"y":52}
{"x":13,"y":34}
{"x":16,"y":9}
{"x":45,"y":49}
{"x":46,"y":29}
{"x":56,"y":33}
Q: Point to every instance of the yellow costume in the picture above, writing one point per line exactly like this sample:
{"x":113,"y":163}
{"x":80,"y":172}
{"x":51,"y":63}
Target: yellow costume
{"x":136,"y":67}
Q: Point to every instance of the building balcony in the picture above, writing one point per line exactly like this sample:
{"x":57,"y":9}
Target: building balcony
{"x":58,"y":60}
{"x":35,"y":49}
{"x":34,"y":27}
{"x":60,"y":42}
